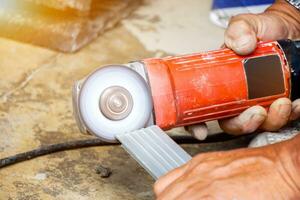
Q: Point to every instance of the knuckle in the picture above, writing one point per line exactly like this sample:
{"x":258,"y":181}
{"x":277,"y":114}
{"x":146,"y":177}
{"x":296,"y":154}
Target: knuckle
{"x":239,"y":23}
{"x":243,"y":24}
{"x":191,"y":189}
{"x":197,"y":168}
{"x":242,"y":17}
{"x":192,"y":163}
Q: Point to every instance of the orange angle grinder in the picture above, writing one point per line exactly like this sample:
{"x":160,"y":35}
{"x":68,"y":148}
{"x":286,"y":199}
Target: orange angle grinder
{"x":184,"y":90}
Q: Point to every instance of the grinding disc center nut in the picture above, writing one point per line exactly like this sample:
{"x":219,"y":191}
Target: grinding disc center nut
{"x":116,"y":103}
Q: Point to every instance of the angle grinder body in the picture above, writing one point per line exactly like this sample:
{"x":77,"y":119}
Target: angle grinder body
{"x":185,"y":90}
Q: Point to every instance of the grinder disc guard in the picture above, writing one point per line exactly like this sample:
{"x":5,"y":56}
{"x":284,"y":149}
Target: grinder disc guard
{"x":112,"y":100}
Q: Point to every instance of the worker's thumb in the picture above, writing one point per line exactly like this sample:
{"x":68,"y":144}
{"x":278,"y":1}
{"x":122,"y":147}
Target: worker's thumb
{"x":245,"y":30}
{"x":240,"y":35}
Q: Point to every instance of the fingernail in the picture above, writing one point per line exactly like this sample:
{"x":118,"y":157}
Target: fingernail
{"x":284,"y":110}
{"x":199,"y":132}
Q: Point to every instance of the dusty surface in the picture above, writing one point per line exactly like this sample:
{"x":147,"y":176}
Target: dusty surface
{"x":175,"y":26}
{"x":36,"y":109}
{"x":65,"y":31}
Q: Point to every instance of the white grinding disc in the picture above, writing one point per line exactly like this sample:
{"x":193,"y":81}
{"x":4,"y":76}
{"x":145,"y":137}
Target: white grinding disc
{"x":90,"y":94}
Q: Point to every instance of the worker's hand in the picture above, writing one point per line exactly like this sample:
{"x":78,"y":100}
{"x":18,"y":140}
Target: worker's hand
{"x":280,"y":21}
{"x":269,"y":172}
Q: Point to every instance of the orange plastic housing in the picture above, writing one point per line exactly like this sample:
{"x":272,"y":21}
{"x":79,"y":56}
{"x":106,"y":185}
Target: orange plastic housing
{"x":206,"y":86}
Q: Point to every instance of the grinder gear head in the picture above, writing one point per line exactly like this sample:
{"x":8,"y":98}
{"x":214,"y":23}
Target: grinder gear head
{"x":112,"y":100}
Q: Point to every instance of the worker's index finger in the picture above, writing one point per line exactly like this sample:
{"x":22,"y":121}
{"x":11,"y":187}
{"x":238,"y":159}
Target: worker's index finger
{"x":247,"y":122}
{"x":162,"y":183}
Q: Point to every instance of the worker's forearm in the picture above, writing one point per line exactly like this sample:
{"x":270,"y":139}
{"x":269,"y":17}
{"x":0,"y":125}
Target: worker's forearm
{"x":290,"y":17}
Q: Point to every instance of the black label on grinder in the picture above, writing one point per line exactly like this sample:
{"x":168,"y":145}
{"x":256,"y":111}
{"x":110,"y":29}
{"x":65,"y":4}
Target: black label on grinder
{"x":264,"y":76}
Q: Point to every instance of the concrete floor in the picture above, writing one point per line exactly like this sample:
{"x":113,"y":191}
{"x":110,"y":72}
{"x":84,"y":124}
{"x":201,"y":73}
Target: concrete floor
{"x":36,"y":107}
